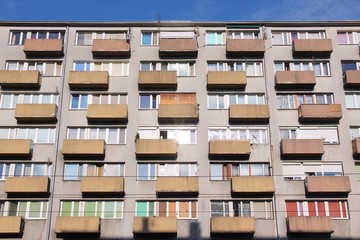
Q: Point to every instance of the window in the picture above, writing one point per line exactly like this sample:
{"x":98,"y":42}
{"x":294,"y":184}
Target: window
{"x":149,"y":38}
{"x":242,"y":208}
{"x":81,"y":101}
{"x":38,"y":135}
{"x":75,"y":171}
{"x":355,"y":132}
{"x":178,"y":209}
{"x":300,"y":170}
{"x":116,"y":69}
{"x":151,"y":101}
{"x":86,"y":38}
{"x":334,"y":208}
{"x":223,"y":101}
{"x":242,"y":35}
{"x":328,"y":134}
{"x":26,"y":209}
{"x":253,"y":69}
{"x":348,"y":38}
{"x":357,"y":171}
{"x":102,"y":209}
{"x":150,"y":171}
{"x":321,"y":69}
{"x":110,"y":135}
{"x":22,"y":169}
{"x":293,"y":101}
{"x":349,"y":65}
{"x":182,"y":135}
{"x":19,"y":37}
{"x":215,"y":38}
{"x":10,"y":100}
{"x":183,"y":69}
{"x":47,"y":69}
{"x":225,"y":171}
{"x":256,"y":135}
{"x":286,"y":38}
{"x":352,"y":100}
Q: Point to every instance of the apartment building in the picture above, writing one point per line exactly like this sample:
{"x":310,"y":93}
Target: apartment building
{"x":179,"y":130}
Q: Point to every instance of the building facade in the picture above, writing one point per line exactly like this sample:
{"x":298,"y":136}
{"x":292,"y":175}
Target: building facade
{"x":179,"y":130}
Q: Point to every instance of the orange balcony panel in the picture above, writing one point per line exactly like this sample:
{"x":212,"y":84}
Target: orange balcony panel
{"x":319,"y":112}
{"x":302,"y":147}
{"x":226,"y":79}
{"x":16,"y":147}
{"x":245,"y":47}
{"x":312,"y":47}
{"x":155,"y":225}
{"x":178,"y":47}
{"x":157,"y":79}
{"x":77,"y":225}
{"x":352,"y":78}
{"x":43,"y":47}
{"x":177,"y":185}
{"x":229,"y":147}
{"x":104,"y":185}
{"x":307,"y":224}
{"x":36,"y":112}
{"x":20,"y":79}
{"x":295,"y":78}
{"x":185,"y":112}
{"x":74,"y":147}
{"x":327,"y":184}
{"x":11,"y":225}
{"x":111,"y":48}
{"x":88,"y":80}
{"x":107,"y":112}
{"x":356,"y":147}
{"x":27,"y":185}
{"x":249,"y":112}
{"x":156,"y":147}
{"x":233,"y":225}
{"x":252,"y":184}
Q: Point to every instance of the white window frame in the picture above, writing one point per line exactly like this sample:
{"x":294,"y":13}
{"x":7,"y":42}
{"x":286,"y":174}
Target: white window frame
{"x":226,"y":97}
{"x":90,"y":66}
{"x":154,"y":36}
{"x":20,"y":98}
{"x":300,"y":167}
{"x":293,"y":99}
{"x":230,"y":204}
{"x":286,"y":36}
{"x":90,"y":97}
{"x":82,"y":170}
{"x":226,"y":133}
{"x":169,"y":167}
{"x":355,"y":100}
{"x":177,"y":208}
{"x":6,"y":210}
{"x":107,"y":133}
{"x":353,"y":35}
{"x":296,"y":132}
{"x":217,"y":36}
{"x":27,"y":35}
{"x":158,"y":130}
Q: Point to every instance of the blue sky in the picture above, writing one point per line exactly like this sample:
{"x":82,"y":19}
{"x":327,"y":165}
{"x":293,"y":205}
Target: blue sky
{"x":187,"y":10}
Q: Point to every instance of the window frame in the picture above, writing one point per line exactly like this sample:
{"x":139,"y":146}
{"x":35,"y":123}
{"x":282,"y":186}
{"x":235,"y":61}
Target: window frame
{"x":86,"y":131}
{"x":83,"y":169}
{"x":174,"y":170}
{"x":294,"y":133}
{"x":226,"y":133}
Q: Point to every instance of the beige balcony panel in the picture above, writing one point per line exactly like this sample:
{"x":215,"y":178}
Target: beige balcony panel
{"x":86,"y":225}
{"x":16,"y":147}
{"x":185,"y":112}
{"x":312,"y":47}
{"x":167,"y":147}
{"x":20,"y":79}
{"x":252,"y":184}
{"x":156,"y":225}
{"x":88,"y":79}
{"x":229,"y":147}
{"x":107,"y":112}
{"x":352,"y":78}
{"x":327,"y":184}
{"x":249,"y":112}
{"x":43,"y":47}
{"x":226,"y":79}
{"x":298,"y":147}
{"x":234,"y":225}
{"x":74,"y":147}
{"x":106,"y":185}
{"x":178,"y":47}
{"x":177,"y":185}
{"x":295,"y":78}
{"x":27,"y":185}
{"x":110,"y":48}
{"x":307,"y":224}
{"x":356,"y":147}
{"x":248,"y":47}
{"x":11,"y":225}
{"x":157,"y":79}
{"x":36,"y":112}
{"x":319,"y":112}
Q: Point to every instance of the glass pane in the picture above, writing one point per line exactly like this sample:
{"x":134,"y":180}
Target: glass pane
{"x":210,"y":38}
{"x":35,"y":208}
{"x":6,"y":101}
{"x":141,"y":208}
{"x":75,"y":101}
{"x":146,"y":39}
{"x":42,"y":135}
{"x":216,"y":172}
{"x":71,"y":172}
{"x":109,"y":209}
{"x":90,"y":209}
{"x":145,"y":102}
{"x":66,"y":209}
{"x":39,"y":170}
{"x":212,"y":101}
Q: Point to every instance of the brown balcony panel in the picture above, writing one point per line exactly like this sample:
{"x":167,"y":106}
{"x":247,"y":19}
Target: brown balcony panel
{"x":110,"y":48}
{"x":27,"y":185}
{"x":20,"y":79}
{"x":229,"y":147}
{"x":245,"y":47}
{"x":178,"y":47}
{"x":180,"y":185}
{"x":157,"y":79}
{"x":88,"y":80}
{"x":155,"y":225}
{"x":356,"y":147}
{"x":252,"y":184}
{"x":232,"y":225}
{"x":327,"y":184}
{"x":74,"y":147}
{"x":302,"y":147}
{"x":103,"y":185}
{"x":16,"y":147}
{"x":107,"y":113}
{"x":36,"y":112}
{"x":352,"y":78}
{"x":77,"y":225}
{"x":43,"y":47}
{"x":312,"y":47}
{"x":226,"y":79}
{"x":156,"y":147}
{"x":11,"y":225}
{"x":319,"y":112}
{"x":178,"y":112}
{"x":307,"y":224}
{"x":292,"y":79}
{"x":249,"y":112}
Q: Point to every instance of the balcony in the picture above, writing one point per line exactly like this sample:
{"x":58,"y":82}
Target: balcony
{"x":327,"y":184}
{"x":352,"y":78}
{"x":312,"y":47}
{"x":157,"y":80}
{"x":356,"y":147}
{"x":307,"y":224}
{"x":245,"y":47}
{"x":27,"y":185}
{"x":76,"y":148}
{"x":291,"y":79}
{"x":178,"y":113}
{"x":155,"y":225}
{"x":16,"y":147}
{"x":226,"y":80}
{"x":103,"y":185}
{"x":77,"y":225}
{"x":156,"y":147}
{"x":249,"y":113}
{"x":89,"y":80}
{"x":20,"y":79}
{"x":36,"y":112}
{"x":319,"y":112}
{"x":110,"y":48}
{"x":178,"y":185}
{"x":252,"y":185}
{"x":11,"y":225}
{"x":178,"y":47}
{"x":232,"y":225}
{"x":107,"y":113}
{"x":302,"y":147}
{"x":234,"y":148}
{"x":43,"y":47}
